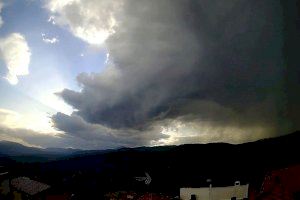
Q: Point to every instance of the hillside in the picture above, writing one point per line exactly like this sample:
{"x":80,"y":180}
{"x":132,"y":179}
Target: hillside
{"x":170,"y":167}
{"x":21,"y":153}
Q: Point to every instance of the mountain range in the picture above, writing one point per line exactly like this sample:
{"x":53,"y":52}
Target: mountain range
{"x":170,"y":167}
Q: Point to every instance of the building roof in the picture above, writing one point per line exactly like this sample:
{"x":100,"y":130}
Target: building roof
{"x":28,"y":186}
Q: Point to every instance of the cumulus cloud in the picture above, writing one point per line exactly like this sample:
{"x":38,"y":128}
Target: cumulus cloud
{"x":51,"y":20}
{"x":48,"y":40}
{"x":92,"y":21}
{"x":15,"y":53}
{"x":213,"y":65}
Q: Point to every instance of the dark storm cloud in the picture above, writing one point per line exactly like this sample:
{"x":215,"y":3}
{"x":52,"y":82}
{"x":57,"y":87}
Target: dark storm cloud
{"x":102,"y":137}
{"x":169,"y":58}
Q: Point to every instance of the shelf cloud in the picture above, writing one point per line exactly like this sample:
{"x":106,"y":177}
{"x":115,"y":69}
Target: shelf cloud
{"x":217,"y":68}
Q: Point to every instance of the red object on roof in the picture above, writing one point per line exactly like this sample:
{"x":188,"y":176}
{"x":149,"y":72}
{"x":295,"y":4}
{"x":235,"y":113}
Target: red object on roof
{"x":58,"y":197}
{"x":153,"y":196}
{"x":281,"y":184}
{"x":28,"y":186}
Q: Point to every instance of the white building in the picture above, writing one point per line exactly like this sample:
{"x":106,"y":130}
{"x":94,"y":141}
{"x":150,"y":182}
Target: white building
{"x":215,"y":193}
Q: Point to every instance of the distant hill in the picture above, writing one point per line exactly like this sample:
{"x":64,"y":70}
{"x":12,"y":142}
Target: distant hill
{"x":16,"y":149}
{"x":21,"y":153}
{"x":170,"y":167}
{"x":62,"y":150}
{"x":279,"y":149}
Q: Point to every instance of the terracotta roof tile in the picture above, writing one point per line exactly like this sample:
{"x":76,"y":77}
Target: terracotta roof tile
{"x":28,"y":186}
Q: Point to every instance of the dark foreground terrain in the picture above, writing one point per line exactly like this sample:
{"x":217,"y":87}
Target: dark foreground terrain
{"x":95,"y":173}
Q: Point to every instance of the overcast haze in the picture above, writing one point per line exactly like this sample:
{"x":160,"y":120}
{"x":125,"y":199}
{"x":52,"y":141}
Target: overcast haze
{"x":99,"y":74}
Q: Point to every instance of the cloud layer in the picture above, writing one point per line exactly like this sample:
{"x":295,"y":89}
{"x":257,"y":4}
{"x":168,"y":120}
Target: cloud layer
{"x":1,"y":7}
{"x":15,"y":53}
{"x":215,"y":68}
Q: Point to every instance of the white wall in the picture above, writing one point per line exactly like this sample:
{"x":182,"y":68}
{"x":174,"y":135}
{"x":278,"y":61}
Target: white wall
{"x":201,"y":193}
{"x":217,"y":193}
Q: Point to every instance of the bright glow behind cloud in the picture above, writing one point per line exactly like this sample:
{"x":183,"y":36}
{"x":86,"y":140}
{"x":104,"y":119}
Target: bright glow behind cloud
{"x":15,"y":53}
{"x":53,"y":101}
{"x":35,"y":120}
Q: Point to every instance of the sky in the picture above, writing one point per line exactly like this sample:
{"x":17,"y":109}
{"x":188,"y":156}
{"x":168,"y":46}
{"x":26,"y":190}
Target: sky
{"x":98,"y":74}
